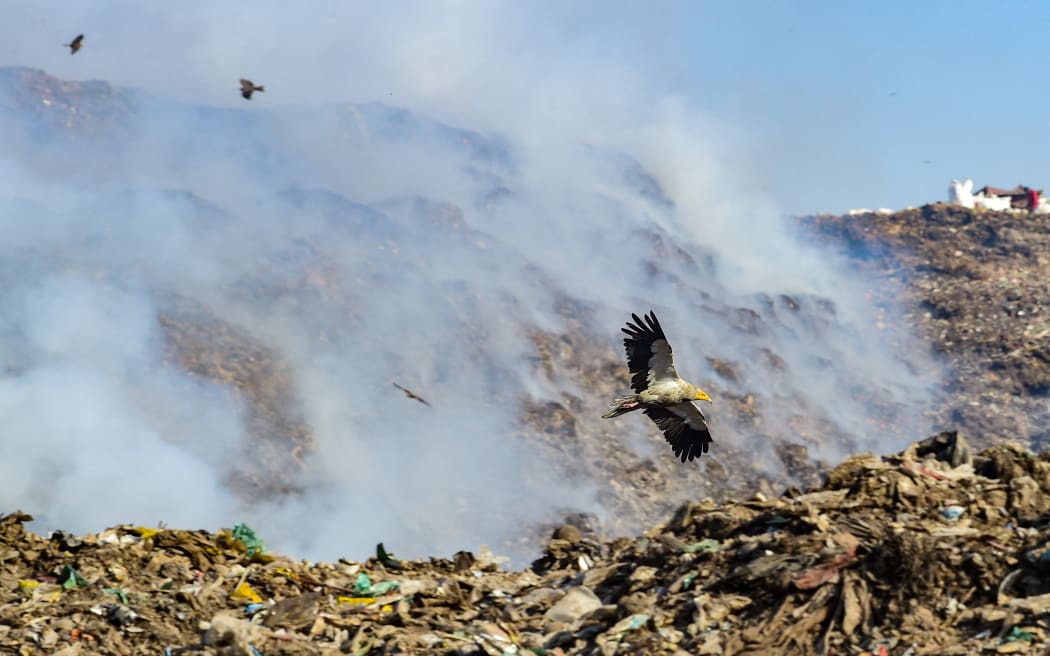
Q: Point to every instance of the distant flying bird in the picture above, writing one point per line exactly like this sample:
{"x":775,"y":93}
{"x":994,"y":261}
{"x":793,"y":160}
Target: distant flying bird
{"x":410,"y":394}
{"x":75,"y":44}
{"x":248,"y":87}
{"x":667,"y":399}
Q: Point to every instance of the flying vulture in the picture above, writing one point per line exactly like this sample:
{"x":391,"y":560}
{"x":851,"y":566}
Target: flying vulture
{"x":667,"y":399}
{"x":248,"y":87}
{"x":410,"y":394}
{"x":75,"y":44}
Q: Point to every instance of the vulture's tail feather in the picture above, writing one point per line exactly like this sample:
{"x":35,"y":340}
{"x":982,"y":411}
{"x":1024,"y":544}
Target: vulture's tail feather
{"x":622,"y":405}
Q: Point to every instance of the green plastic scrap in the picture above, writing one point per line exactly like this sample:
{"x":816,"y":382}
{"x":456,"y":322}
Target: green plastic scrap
{"x":364,"y":586}
{"x":703,"y":545}
{"x":385,"y":587}
{"x":1018,"y":634}
{"x":246,"y":535}
{"x":117,"y":592}
{"x":687,"y":582}
{"x":70,"y":578}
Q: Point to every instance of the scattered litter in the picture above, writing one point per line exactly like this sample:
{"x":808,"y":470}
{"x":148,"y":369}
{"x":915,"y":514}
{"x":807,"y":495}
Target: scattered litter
{"x":708,"y":545}
{"x":356,"y":601}
{"x":1017,"y":633}
{"x":860,"y":565}
{"x":363,"y":586}
{"x":70,"y":578}
{"x":254,"y":547}
{"x":243,"y":591}
{"x":117,"y":592}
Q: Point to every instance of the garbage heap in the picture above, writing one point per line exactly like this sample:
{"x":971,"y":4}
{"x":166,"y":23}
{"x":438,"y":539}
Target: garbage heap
{"x":932,"y":549}
{"x":976,"y":285}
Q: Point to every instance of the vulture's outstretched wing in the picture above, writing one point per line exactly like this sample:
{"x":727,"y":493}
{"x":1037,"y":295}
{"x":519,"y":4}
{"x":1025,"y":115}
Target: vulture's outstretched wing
{"x":648,"y":353}
{"x":684,"y":427}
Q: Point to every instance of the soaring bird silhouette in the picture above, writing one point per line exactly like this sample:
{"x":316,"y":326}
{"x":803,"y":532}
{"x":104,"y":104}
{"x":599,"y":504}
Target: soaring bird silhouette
{"x":75,"y":44}
{"x":667,"y":399}
{"x":248,"y":87}
{"x":410,"y":394}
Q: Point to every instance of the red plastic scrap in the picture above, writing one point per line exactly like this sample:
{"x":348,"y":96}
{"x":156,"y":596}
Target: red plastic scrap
{"x":815,"y":577}
{"x":80,"y":634}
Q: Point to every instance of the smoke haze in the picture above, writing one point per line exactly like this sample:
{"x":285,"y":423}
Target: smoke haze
{"x":411,"y":195}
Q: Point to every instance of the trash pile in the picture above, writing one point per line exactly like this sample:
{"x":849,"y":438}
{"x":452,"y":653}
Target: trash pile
{"x":80,"y":109}
{"x":934,"y":548}
{"x":224,"y":334}
{"x":976,"y":285}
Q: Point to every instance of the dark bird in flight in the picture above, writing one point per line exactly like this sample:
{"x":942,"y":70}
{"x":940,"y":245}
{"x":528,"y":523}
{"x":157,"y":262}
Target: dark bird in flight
{"x":659,"y":393}
{"x":248,"y":88}
{"x":410,"y":394}
{"x":75,"y":44}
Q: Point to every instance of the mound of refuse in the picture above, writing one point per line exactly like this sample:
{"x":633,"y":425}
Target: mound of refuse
{"x":934,"y":548}
{"x":975,"y":284}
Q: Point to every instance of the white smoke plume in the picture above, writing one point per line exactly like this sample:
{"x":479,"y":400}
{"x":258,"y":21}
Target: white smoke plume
{"x":514,"y":150}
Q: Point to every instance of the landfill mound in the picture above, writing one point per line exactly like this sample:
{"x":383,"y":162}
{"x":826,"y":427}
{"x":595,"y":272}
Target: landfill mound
{"x":276,"y":309}
{"x":975,"y":283}
{"x":931,"y":549}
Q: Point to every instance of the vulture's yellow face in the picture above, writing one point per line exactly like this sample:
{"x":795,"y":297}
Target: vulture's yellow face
{"x":701,"y":395}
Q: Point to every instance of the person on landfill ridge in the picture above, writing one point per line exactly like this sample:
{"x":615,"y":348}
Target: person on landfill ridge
{"x":1033,"y":199}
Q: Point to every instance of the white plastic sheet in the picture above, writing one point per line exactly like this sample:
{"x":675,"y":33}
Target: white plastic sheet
{"x":997,"y":203}
{"x":961,"y":193}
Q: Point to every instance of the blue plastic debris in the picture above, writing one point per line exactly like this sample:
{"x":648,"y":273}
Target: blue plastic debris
{"x":251,"y":609}
{"x":952,"y":513}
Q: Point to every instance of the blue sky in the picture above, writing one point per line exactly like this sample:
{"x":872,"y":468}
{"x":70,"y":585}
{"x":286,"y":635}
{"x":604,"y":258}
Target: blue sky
{"x":843,"y":103}
{"x":818,"y":106}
